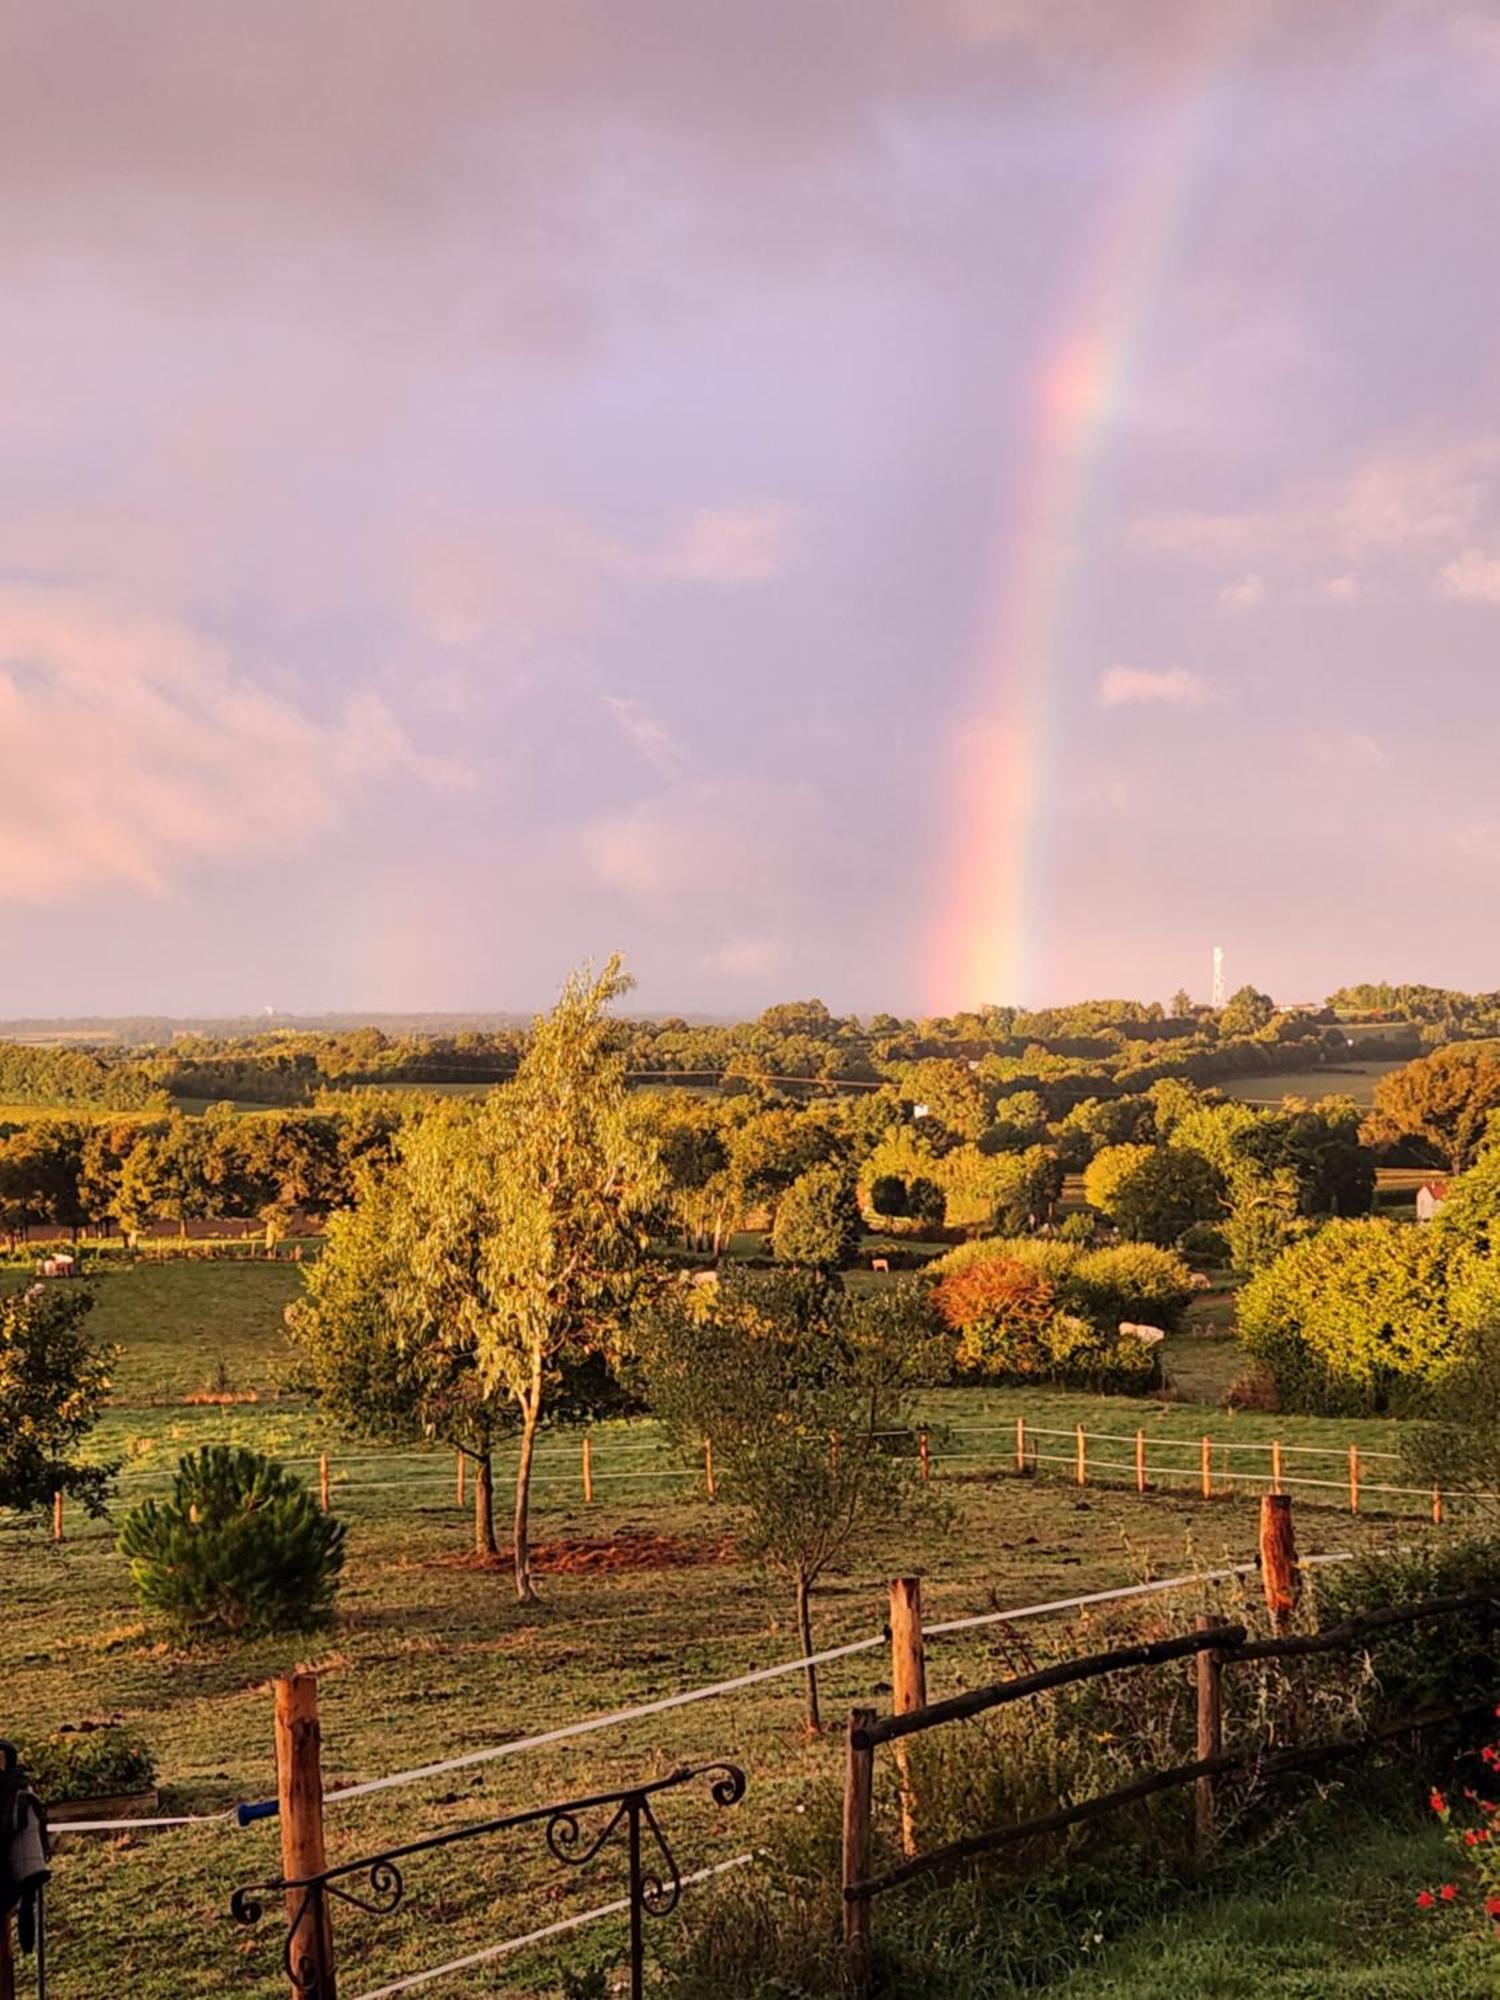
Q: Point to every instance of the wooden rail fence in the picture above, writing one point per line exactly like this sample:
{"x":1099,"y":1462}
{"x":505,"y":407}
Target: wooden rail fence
{"x":1214,"y":1646}
{"x":1147,"y":1461}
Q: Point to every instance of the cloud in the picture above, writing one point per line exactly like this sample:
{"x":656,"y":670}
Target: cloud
{"x":1174,"y":687}
{"x":1245,"y":594}
{"x":1472,"y":578}
{"x":746,"y":957}
{"x":650,"y":736}
{"x":1342,"y":750}
{"x":1341,"y":589}
{"x":530,"y":575}
{"x":132,"y":754}
{"x":748,"y":848}
{"x":1394,"y":501}
{"x":726,"y":546}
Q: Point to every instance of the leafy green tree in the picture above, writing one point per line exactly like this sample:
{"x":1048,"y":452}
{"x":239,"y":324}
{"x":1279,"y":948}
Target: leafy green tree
{"x":888,"y":1196}
{"x":1470,"y":1214}
{"x":800,"y":1388}
{"x":1247,"y":1012}
{"x":955,"y":1099}
{"x":53,"y":1383}
{"x":529,"y":1224}
{"x":1105,"y":1121}
{"x":1262,"y":1219}
{"x":770,"y":1150}
{"x":818,"y":1222}
{"x":1458,"y":1447}
{"x":1443,"y":1101}
{"x":1153,"y":1193}
{"x":241,"y":1548}
{"x":390,"y":1366}
{"x":1000,"y":1190}
{"x":1020,"y":1120}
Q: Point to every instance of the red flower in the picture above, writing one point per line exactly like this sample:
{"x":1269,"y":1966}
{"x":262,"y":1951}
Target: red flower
{"x":1424,"y":1899}
{"x":1492,"y":1906}
{"x":1447,"y":1892}
{"x":1470,"y":1838}
{"x":1438,"y":1803}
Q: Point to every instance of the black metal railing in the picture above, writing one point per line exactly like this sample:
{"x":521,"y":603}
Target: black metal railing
{"x":376,"y":1883}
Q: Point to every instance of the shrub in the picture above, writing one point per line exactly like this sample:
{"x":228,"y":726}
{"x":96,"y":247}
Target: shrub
{"x":1080,"y":1227}
{"x":1000,"y":1311}
{"x":1131,"y":1281}
{"x":1446,"y":1663}
{"x":89,"y":1763}
{"x":240,"y":1549}
{"x":1359,"y":1317}
{"x":1049,"y":1258}
{"x":1205,"y":1244}
{"x":1010,"y":1324}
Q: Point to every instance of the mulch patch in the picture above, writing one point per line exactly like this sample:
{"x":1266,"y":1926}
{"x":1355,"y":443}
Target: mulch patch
{"x":626,"y":1549}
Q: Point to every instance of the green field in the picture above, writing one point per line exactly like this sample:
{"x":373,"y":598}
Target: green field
{"x":643,"y":1596}
{"x":1350,"y":1079}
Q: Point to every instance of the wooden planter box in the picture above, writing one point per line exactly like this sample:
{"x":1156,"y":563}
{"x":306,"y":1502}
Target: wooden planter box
{"x":113,"y":1805}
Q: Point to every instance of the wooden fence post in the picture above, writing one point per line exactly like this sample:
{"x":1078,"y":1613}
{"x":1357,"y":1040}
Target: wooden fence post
{"x":57,"y":1515}
{"x":1020,"y":1444}
{"x":1276,"y":1479}
{"x":7,"y":1960}
{"x":323,"y":1480}
{"x":908,"y":1686}
{"x":708,"y":1467}
{"x":587,"y":1456}
{"x":1437,"y":1506}
{"x":299,"y":1792}
{"x":924,"y":1456}
{"x":1210,"y":1732}
{"x":460,"y":1469}
{"x":1140,"y":1461}
{"x":1280,"y":1577}
{"x":859,"y":1792}
{"x":1206,"y":1457}
{"x":1081,"y":1467}
{"x":1354,"y":1479}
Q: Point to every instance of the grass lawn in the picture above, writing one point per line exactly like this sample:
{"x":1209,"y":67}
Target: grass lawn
{"x":1343,"y":1926}
{"x":643,"y":1596}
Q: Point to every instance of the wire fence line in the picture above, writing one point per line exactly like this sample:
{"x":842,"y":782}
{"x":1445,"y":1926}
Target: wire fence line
{"x":604,"y":1462}
{"x":247,"y":1813}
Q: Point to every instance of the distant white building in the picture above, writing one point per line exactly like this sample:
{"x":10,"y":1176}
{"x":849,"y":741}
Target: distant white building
{"x":1430,"y":1198}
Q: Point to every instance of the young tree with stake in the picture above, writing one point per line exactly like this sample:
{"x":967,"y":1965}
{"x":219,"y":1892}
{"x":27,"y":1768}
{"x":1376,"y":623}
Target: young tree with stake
{"x":800,"y":1388}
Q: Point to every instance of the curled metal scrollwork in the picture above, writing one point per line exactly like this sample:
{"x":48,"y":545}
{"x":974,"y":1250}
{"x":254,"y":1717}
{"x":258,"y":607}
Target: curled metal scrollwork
{"x":566,"y":1839}
{"x":384,"y":1892}
{"x":375,"y":1883}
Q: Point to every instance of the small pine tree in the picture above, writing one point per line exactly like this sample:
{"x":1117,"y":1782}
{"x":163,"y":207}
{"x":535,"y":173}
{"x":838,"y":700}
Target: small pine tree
{"x":241,"y":1549}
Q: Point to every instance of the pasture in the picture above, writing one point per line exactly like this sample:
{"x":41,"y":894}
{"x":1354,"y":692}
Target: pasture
{"x":1346,"y":1079}
{"x":643,"y":1595}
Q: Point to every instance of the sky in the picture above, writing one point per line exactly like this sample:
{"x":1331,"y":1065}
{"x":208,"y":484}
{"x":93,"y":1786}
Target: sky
{"x":918,"y":502}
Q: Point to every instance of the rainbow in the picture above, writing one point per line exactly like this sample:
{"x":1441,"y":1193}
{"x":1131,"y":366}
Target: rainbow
{"x":1006,"y":753}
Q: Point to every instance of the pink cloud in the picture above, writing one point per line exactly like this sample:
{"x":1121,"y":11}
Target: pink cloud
{"x":1174,"y":687}
{"x":1472,"y":578}
{"x":132,"y":754}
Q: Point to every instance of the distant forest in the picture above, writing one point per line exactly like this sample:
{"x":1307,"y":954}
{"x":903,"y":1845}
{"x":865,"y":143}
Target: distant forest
{"x":1095,"y":1048}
